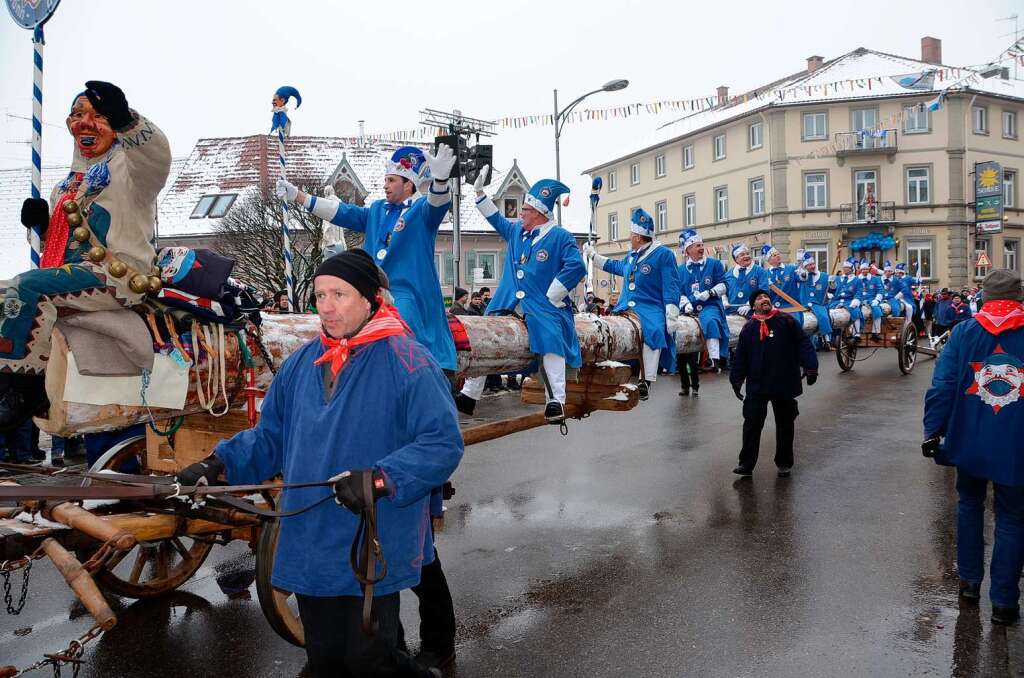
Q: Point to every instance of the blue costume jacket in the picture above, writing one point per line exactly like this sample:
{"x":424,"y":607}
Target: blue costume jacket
{"x":534,"y":261}
{"x":742,"y":282}
{"x":847,"y":289}
{"x":814,"y":295}
{"x":870,"y":289}
{"x":697,"y":277}
{"x":652,"y":283}
{"x":405,"y":235}
{"x":907,"y":284}
{"x":977,"y":400}
{"x":786,"y":279}
{"x":391,"y":409}
{"x":892,"y":286}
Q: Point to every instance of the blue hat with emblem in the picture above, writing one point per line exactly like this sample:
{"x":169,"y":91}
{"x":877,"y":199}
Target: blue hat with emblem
{"x":806,"y":257}
{"x":901,"y":267}
{"x":737,"y":250}
{"x":689,"y":237}
{"x":642,"y":223}
{"x":769,"y":251}
{"x":544,"y":194}
{"x":408,"y":162}
{"x":850,"y":262}
{"x":286,"y":92}
{"x":863,"y":263}
{"x":887,"y":266}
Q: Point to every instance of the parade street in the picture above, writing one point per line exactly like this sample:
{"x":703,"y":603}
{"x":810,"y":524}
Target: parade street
{"x":630,"y":549}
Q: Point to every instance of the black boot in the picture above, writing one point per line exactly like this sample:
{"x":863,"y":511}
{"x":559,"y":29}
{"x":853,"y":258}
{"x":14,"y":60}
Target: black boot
{"x":554,"y":413}
{"x":644,"y":387}
{"x":21,"y":396}
{"x":465,"y":404}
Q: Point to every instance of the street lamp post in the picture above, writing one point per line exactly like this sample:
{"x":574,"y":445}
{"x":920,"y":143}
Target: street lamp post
{"x":563,"y":115}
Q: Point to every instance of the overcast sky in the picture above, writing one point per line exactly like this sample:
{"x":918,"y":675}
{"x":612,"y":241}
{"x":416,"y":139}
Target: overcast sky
{"x":208,"y":69}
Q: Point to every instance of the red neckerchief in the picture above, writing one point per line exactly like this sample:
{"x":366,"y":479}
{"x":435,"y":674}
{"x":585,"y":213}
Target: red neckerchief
{"x":763,"y":319}
{"x":1000,"y":315}
{"x":385,"y":323}
{"x":57,"y":231}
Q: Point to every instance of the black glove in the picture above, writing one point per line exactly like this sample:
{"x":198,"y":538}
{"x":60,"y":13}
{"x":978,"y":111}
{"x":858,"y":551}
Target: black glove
{"x":350,"y":493}
{"x":35,"y":212}
{"x":109,"y":101}
{"x":203,"y":472}
{"x":737,"y":388}
{"x":812,"y":376}
{"x":930,"y":446}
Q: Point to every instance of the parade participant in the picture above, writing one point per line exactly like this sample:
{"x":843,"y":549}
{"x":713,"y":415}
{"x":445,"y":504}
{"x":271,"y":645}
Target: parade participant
{"x":784,"y":278}
{"x":651,"y":291}
{"x":976,"y":404}
{"x":871,"y":295}
{"x":366,"y":398}
{"x":542,"y":265}
{"x":892,"y":289}
{"x":906,"y":292}
{"x":702,"y":285}
{"x":846,"y":295}
{"x":400,"y":236}
{"x":742,"y":279}
{"x":98,"y":252}
{"x":813,"y":293}
{"x":771,"y":351}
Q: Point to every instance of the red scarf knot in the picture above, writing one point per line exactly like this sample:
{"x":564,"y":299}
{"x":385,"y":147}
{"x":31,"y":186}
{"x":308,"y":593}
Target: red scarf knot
{"x":1000,"y":315}
{"x":763,"y":320}
{"x":57,"y":231}
{"x":386,"y":322}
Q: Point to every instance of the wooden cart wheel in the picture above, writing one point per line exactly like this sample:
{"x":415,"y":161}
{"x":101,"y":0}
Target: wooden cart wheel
{"x":279,"y":607}
{"x":151,"y":568}
{"x":846,"y":350}
{"x":907,"y":350}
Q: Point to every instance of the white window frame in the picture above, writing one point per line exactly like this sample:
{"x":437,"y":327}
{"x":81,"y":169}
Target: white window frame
{"x":613,"y":180}
{"x":721,"y":194}
{"x":1009,"y":124}
{"x":979,"y":119}
{"x":823,"y":185}
{"x":634,"y":174}
{"x":1011,"y":254}
{"x":688,"y":157}
{"x":813,"y":115}
{"x":659,"y":166}
{"x":1009,"y":188}
{"x":982,"y":245}
{"x":755,"y":135}
{"x":613,"y":226}
{"x":661,"y":216}
{"x":916,"y":114}
{"x":820,"y":252}
{"x":494,"y":267}
{"x":757,"y":198}
{"x":915,"y":185}
{"x":914,"y":250}
{"x":716,"y":147}
{"x":690,"y":210}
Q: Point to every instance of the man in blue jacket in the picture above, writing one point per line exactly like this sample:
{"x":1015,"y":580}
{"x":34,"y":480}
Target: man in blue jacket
{"x":702,"y":283}
{"x":814,"y":295}
{"x":742,"y":280}
{"x":771,"y":351}
{"x":367,"y":399}
{"x":976,"y":403}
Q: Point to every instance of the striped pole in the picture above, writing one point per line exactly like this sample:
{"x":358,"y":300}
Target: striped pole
{"x":285,"y":240}
{"x":37,"y":134}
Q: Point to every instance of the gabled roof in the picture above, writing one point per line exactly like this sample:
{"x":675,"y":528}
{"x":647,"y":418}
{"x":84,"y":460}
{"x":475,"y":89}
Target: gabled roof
{"x":346,"y":172}
{"x":862,"y":74}
{"x":514,"y":176}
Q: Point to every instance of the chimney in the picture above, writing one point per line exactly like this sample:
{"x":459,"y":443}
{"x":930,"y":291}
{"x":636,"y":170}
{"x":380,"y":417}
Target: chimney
{"x":723,"y":94}
{"x":931,"y":50}
{"x":362,"y":132}
{"x":814,"y":63}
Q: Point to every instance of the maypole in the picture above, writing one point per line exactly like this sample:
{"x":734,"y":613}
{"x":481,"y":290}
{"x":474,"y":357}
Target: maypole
{"x":283,"y":126}
{"x":32,"y":14}
{"x":595,"y":197}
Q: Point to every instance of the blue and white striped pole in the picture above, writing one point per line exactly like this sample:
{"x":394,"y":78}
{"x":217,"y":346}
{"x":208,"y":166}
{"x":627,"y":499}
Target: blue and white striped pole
{"x":37,"y":134}
{"x":285,"y":239}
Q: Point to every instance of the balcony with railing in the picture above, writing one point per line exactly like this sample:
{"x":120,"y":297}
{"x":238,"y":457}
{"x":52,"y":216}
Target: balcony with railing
{"x":866,"y":142}
{"x":867,"y":212}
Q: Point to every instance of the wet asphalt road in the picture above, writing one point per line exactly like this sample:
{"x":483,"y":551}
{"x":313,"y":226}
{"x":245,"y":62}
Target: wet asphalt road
{"x":629,"y":549}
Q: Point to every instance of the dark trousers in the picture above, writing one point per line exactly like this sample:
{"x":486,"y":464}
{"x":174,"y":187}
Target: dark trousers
{"x":1008,"y":543}
{"x":688,"y":366}
{"x":755,"y":411}
{"x":437,"y":611}
{"x":336,"y":646}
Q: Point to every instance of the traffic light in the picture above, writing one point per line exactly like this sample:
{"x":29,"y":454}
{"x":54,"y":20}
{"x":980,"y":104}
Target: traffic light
{"x":480,"y":156}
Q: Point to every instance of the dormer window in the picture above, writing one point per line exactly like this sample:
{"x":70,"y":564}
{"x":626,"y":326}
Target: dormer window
{"x":213,"y":206}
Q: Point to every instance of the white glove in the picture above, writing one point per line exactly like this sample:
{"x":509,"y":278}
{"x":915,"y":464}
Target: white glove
{"x":671,"y":313}
{"x":441,"y":164}
{"x":702,"y":296}
{"x":878,"y":298}
{"x":743,"y":310}
{"x":854,"y":303}
{"x":899,"y":295}
{"x":688,"y":308}
{"x":588,"y":250}
{"x":478,"y":185}
{"x":286,"y":190}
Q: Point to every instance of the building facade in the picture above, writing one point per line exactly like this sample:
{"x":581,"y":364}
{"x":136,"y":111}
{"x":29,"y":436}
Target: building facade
{"x":842,"y":155}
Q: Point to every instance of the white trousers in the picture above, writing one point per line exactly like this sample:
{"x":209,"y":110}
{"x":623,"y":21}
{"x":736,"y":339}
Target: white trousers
{"x":714,"y":349}
{"x":474,"y":387}
{"x":554,"y":370}
{"x":876,"y":324}
{"x":651,"y":358}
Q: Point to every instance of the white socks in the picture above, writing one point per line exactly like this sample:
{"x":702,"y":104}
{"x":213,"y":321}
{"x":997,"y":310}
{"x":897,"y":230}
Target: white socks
{"x":554,"y":371}
{"x":474,"y":387}
{"x":713,"y":349}
{"x":651,"y":357}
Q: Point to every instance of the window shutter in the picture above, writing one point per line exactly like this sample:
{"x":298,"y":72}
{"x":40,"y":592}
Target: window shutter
{"x":470,"y":265}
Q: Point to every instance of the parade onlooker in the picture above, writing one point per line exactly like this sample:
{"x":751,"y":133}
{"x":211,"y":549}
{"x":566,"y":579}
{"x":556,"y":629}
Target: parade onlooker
{"x":476,"y":304}
{"x":281,"y":302}
{"x":771,"y":351}
{"x":975,"y":402}
{"x":943,"y":318}
{"x":460,"y":301}
{"x":485,"y":296}
{"x":959,"y":310}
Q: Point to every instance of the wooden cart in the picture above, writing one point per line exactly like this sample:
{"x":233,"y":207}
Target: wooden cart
{"x":896,"y":333}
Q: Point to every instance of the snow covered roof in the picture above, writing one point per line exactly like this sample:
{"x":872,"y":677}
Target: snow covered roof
{"x":862,"y":74}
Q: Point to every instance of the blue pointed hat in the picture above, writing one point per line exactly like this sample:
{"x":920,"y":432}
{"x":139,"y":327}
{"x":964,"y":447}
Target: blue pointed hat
{"x":408,"y":162}
{"x":863,"y":263}
{"x":544,"y":194}
{"x":286,"y":92}
{"x":769,"y":251}
{"x":737,"y":250}
{"x":641,"y":223}
{"x":850,"y":262}
{"x":888,"y":265}
{"x":901,"y":267}
{"x":689,"y":237}
{"x":807,"y":256}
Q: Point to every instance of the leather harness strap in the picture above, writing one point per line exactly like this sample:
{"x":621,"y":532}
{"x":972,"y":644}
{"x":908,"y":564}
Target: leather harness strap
{"x":364,"y":555}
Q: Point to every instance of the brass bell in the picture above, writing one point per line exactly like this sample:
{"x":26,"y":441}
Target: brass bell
{"x":117,"y":268}
{"x":70,"y":207}
{"x":81,"y":234}
{"x":154,"y":284}
{"x":75,"y":218}
{"x":138,"y":283}
{"x":97,"y":254}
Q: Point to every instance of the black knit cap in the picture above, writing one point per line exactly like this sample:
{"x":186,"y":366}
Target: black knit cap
{"x":756,"y":293}
{"x":357,"y":269}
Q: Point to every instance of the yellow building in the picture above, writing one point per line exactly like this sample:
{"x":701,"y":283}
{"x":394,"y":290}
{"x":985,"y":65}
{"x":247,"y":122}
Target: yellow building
{"x":820,"y":159}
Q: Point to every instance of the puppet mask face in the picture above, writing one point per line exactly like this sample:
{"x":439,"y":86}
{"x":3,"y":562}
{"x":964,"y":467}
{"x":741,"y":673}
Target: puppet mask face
{"x":92,"y":132}
{"x":998,"y":382}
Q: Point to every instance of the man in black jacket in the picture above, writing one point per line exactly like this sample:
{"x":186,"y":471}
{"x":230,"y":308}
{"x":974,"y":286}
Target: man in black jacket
{"x":771,"y":351}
